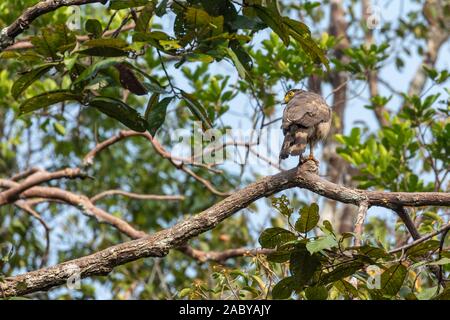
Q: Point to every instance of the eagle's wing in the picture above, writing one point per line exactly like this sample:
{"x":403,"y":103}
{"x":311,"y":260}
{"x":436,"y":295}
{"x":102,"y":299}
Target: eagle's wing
{"x":305,"y":109}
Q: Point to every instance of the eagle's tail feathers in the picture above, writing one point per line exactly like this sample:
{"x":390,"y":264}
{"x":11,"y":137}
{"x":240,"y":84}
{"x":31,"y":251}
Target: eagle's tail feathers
{"x":300,"y":142}
{"x":287,"y":143}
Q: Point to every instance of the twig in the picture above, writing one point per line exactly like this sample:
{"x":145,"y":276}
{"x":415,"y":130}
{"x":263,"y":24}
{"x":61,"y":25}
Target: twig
{"x":441,"y":269}
{"x":222,"y":256}
{"x":134,"y":196}
{"x":88,"y":159}
{"x":404,"y":216}
{"x":24,"y":174}
{"x":420,"y":240}
{"x":25,"y":207}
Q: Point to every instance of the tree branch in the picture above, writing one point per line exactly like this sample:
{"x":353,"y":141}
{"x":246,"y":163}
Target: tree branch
{"x":27,"y":208}
{"x":81,"y":202}
{"x":88,"y":159}
{"x":37,"y":178}
{"x":372,"y":75}
{"x":437,"y":36}
{"x":134,"y":196}
{"x":222,"y":256}
{"x":159,"y":244}
{"x":404,"y":215}
{"x":420,"y":240}
{"x":9,"y":33}
{"x":360,"y":218}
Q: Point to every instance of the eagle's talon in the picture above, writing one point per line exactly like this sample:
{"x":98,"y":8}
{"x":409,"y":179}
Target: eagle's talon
{"x":313,"y":159}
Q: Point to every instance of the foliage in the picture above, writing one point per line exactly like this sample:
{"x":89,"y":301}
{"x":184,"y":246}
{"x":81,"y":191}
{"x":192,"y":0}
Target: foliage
{"x":318,"y":264}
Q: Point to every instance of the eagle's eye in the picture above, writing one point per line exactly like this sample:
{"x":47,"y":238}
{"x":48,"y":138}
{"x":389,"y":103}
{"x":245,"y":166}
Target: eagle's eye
{"x":288,"y":96}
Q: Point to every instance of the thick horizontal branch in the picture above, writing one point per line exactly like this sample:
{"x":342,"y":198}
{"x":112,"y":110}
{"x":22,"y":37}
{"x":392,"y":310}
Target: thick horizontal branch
{"x":8,"y":34}
{"x":159,"y":244}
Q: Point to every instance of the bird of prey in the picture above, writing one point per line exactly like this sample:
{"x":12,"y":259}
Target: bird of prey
{"x":306,"y":120}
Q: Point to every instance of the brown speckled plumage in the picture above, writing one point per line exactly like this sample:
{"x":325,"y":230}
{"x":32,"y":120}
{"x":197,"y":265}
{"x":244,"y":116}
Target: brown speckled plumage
{"x":306,"y":120}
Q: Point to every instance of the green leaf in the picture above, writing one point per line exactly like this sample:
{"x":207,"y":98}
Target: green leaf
{"x":241,"y":54}
{"x":275,"y":237}
{"x":340,"y":272}
{"x":104,"y":52}
{"x":106,"y":42}
{"x":197,"y":109}
{"x":28,"y":78}
{"x":279,"y":256}
{"x":169,"y":44}
{"x":184,"y":292}
{"x":200,"y":19}
{"x":283,"y":289}
{"x":303,"y":265}
{"x":372,"y":252}
{"x":47,"y":99}
{"x":423,"y":248}
{"x":144,"y":18}
{"x":105,"y":47}
{"x":392,"y":280}
{"x":91,"y":72}
{"x":309,"y":217}
{"x":199,"y":57}
{"x":237,"y":63}
{"x":328,"y":226}
{"x":161,"y":9}
{"x":274,"y":20}
{"x":156,"y":112}
{"x":129,"y":81}
{"x":346,"y":287}
{"x":59,"y":128}
{"x":316,"y":293}
{"x":244,"y":22}
{"x":322,"y":243}
{"x":300,"y":32}
{"x":53,"y":40}
{"x":124,"y":4}
{"x":94,"y":26}
{"x":120,"y":111}
{"x":282,"y":205}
